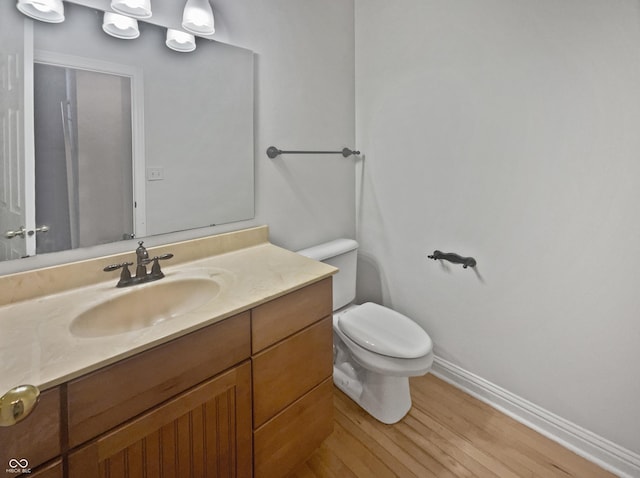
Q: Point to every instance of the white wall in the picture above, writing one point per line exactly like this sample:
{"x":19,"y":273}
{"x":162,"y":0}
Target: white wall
{"x":304,"y":99}
{"x":507,"y":130}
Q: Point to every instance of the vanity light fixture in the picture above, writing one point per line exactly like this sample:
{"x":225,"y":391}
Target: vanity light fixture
{"x":133,"y":8}
{"x":197,"y":17}
{"x":120,"y":26}
{"x":51,"y":11}
{"x":180,"y":41}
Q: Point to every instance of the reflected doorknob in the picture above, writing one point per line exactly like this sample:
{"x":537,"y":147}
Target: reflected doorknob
{"x":19,"y":233}
{"x":39,"y":229}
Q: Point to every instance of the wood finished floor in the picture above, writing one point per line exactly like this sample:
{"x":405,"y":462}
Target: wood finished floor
{"x":446,"y":434}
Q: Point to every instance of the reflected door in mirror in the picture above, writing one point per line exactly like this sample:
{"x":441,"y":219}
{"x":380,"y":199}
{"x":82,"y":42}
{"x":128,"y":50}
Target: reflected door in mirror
{"x":13,"y":239}
{"x":83,"y":165}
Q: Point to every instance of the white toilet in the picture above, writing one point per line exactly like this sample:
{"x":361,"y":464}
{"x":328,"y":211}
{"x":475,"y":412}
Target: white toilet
{"x":375,"y":349}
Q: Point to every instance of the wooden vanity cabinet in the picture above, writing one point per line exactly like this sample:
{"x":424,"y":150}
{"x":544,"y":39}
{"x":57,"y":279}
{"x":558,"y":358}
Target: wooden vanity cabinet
{"x":250,"y":395}
{"x":292,"y":357}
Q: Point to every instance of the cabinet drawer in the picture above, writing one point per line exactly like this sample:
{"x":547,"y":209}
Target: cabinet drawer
{"x":37,"y":437}
{"x":103,"y":399}
{"x":288,"y":439}
{"x":275,"y":320}
{"x":287,"y":370}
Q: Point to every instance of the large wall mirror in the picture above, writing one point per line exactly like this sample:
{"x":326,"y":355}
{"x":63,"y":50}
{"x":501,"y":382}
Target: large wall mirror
{"x":129,"y":139}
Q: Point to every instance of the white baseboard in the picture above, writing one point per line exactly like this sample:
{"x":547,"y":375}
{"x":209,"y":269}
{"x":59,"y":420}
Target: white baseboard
{"x":601,"y":451}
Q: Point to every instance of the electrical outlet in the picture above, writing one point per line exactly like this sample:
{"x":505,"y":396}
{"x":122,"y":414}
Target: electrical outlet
{"x":155,"y":174}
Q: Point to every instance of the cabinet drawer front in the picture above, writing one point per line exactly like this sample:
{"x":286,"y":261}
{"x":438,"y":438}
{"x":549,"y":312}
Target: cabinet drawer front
{"x":103,"y":399}
{"x":286,"y":371}
{"x":291,"y":437}
{"x":275,"y":320}
{"x":205,"y":432}
{"x":37,"y":437}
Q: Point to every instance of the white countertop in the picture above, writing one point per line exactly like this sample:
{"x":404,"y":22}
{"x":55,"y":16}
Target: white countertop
{"x":38,"y":348}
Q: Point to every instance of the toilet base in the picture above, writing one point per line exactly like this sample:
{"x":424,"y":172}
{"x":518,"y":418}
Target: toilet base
{"x":386,"y":398}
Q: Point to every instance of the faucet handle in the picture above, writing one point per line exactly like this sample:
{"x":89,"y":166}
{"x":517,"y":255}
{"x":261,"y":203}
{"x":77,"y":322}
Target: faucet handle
{"x":115,"y":267}
{"x":125,"y":275}
{"x":156,"y":273}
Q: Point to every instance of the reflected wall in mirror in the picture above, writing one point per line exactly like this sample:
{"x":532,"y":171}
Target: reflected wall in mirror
{"x":182,"y":151}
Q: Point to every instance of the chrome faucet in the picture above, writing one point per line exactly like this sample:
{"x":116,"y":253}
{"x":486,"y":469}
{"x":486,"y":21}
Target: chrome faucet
{"x":142,"y":259}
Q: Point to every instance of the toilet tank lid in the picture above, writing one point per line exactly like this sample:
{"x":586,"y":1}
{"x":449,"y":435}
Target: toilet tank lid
{"x":385,"y":331}
{"x":329,"y":249}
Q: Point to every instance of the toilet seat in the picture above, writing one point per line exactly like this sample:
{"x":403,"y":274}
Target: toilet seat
{"x":385,"y":332}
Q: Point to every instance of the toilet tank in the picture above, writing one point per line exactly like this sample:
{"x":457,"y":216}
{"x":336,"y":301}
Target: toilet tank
{"x":340,"y":253}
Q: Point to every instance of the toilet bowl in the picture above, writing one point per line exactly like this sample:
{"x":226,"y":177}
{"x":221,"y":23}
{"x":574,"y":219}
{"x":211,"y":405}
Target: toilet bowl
{"x":375,"y":349}
{"x":366,"y":363}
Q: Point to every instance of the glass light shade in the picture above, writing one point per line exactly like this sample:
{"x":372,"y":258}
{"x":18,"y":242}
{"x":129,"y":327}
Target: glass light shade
{"x":132,"y":8}
{"x":120,"y":26}
{"x":51,"y":11}
{"x":197,"y":17}
{"x":180,"y":41}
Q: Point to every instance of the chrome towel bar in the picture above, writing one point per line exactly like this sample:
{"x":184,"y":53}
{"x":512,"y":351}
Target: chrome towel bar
{"x":274,"y":152}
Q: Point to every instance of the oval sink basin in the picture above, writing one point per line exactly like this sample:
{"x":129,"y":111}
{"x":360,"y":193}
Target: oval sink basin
{"x":144,"y":306}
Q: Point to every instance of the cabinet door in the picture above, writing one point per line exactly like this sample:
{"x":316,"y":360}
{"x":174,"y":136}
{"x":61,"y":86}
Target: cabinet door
{"x":205,"y":432}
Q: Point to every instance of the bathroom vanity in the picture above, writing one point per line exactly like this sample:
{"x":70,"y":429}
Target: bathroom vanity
{"x":239,"y":386}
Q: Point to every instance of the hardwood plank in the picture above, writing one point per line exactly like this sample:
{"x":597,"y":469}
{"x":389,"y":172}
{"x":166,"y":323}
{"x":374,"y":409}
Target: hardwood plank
{"x":446,"y":433}
{"x":453,"y":458}
{"x":464,"y":444}
{"x":354,"y":455}
{"x":374,"y":450}
{"x":303,"y":472}
{"x":522,"y":445}
{"x":387,"y":438}
{"x":495,"y":445}
{"x":327,"y":465}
